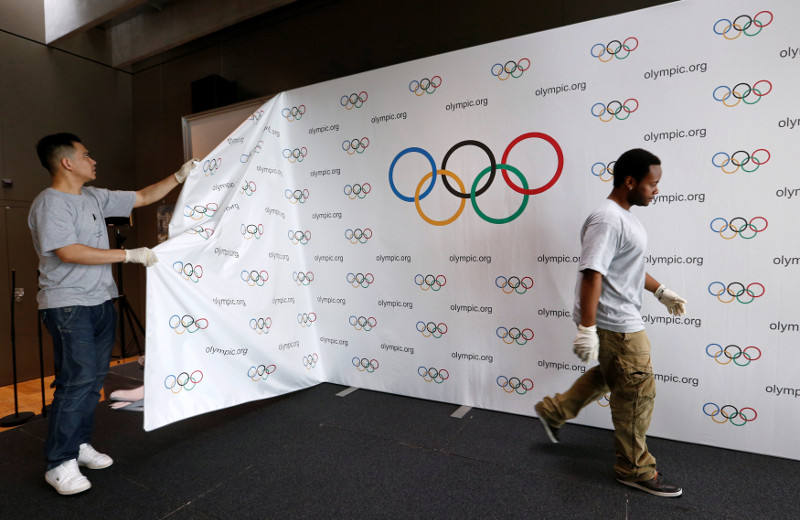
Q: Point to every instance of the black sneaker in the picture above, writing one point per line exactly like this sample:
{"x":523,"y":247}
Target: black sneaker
{"x":655,"y":486}
{"x":552,"y":432}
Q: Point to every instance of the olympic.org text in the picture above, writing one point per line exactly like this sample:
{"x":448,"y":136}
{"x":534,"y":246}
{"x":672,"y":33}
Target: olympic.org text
{"x":471,"y":357}
{"x":232,"y":206}
{"x":543,"y":92}
{"x":281,"y":301}
{"x":226,"y":252}
{"x":556,"y":365}
{"x":394,"y":304}
{"x":287,"y":346}
{"x":669,"y":260}
{"x":268,"y":129}
{"x":393,"y":258}
{"x":470,"y":258}
{"x":558,"y":259}
{"x":224,"y":186}
{"x":774,"y":389}
{"x":789,"y":52}
{"x":467,"y":104}
{"x":470,"y":308}
{"x":271,"y":171}
{"x":397,"y":348}
{"x":674,"y":71}
{"x":325,"y":216}
{"x":328,"y":258}
{"x":669,"y":378}
{"x":323,"y":173}
{"x":276,"y":212}
{"x":674,"y":134}
{"x":336,"y":301}
{"x":789,"y":123}
{"x":680,"y":197}
{"x":229,"y":302}
{"x":226,"y":351}
{"x":279,"y":256}
{"x":326,"y":128}
{"x":784,"y":327}
{"x":237,"y":140}
{"x":787,"y":192}
{"x":333,"y":341}
{"x":786,"y":261}
{"x":548,"y":313}
{"x":388,"y":117}
{"x":671,"y":320}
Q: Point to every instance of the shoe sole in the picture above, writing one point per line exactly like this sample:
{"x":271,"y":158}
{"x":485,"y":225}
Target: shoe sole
{"x":94,"y":466}
{"x":547,"y":430}
{"x":651,"y":491}
{"x":67,"y":492}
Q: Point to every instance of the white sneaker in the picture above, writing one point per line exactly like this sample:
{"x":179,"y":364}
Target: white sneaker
{"x":67,"y":478}
{"x":93,"y":459}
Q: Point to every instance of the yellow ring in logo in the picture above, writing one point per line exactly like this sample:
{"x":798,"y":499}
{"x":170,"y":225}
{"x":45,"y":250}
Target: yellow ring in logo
{"x":419,"y":207}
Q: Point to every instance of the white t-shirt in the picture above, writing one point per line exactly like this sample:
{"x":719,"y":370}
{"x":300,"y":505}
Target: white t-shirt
{"x":613,"y":244}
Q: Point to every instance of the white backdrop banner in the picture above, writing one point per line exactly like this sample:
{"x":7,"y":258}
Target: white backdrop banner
{"x":414,"y":229}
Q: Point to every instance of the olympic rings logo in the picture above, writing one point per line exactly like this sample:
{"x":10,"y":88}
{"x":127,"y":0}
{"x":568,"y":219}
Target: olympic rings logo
{"x":430,"y":282}
{"x":203,"y":232}
{"x":615,"y":109}
{"x":514,"y":335}
{"x":210,"y":166}
{"x":188,"y":271}
{"x":424,"y":85}
{"x":198,"y":212}
{"x":357,"y":190}
{"x":740,"y":290}
{"x":474,"y":193}
{"x":722,"y":353}
{"x":301,"y":278}
{"x":261,"y":372}
{"x":297,"y":196}
{"x":261,"y":325}
{"x":740,"y":159}
{"x":354,"y":100}
{"x":296,"y":155}
{"x":248,"y":188}
{"x":363,"y":323}
{"x":604,"y":401}
{"x":514,"y":384}
{"x":358,"y":235}
{"x":729,"y":413}
{"x":433,"y":375}
{"x":735,"y":229}
{"x":741,"y":24}
{"x":245,"y":157}
{"x":742,"y":92}
{"x":431,"y":329}
{"x":252,"y":230}
{"x":364,"y":364}
{"x":604,"y":173}
{"x":181,"y":324}
{"x":514,"y":284}
{"x":294,"y":114}
{"x":355,"y":145}
{"x":299,"y":237}
{"x":253,"y":277}
{"x":256,"y":116}
{"x":510,"y":69}
{"x":614,"y":49}
{"x":183,"y":381}
{"x":310,"y":361}
{"x":306,"y":319}
{"x":360,"y":280}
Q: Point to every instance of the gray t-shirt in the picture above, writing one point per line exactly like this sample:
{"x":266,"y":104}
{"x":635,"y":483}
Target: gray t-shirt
{"x":613,"y":244}
{"x":59,"y":219}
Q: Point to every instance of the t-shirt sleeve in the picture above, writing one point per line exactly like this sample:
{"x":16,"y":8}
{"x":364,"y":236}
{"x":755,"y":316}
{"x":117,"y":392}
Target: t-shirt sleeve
{"x":54,"y":221}
{"x":115,"y":203}
{"x":600,"y":240}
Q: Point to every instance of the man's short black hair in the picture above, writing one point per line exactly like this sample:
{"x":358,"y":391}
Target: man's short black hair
{"x":51,"y":148}
{"x":634,"y":163}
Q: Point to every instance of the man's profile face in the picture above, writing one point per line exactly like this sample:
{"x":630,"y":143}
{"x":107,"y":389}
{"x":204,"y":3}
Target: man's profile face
{"x":646,"y":190}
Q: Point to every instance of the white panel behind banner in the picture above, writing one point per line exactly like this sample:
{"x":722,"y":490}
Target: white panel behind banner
{"x":328,"y":251}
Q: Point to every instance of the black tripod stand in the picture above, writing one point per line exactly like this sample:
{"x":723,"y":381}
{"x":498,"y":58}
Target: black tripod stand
{"x":125,"y":310}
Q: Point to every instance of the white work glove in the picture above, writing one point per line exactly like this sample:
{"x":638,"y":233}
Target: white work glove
{"x":586,"y":343}
{"x":674,"y":303}
{"x":142,"y":255}
{"x":181,"y":174}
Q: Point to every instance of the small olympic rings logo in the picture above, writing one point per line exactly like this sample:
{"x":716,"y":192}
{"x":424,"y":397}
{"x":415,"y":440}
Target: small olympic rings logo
{"x":431,"y":329}
{"x":739,"y":226}
{"x":261,"y":372}
{"x":301,"y":278}
{"x":614,"y":49}
{"x":210,"y":166}
{"x":742,"y":92}
{"x":514,"y":284}
{"x":364,"y":364}
{"x":248,"y":188}
{"x":299,"y":237}
{"x":306,"y":319}
{"x":181,"y":324}
{"x":255,"y":117}
{"x":253,"y":277}
{"x":735,"y":290}
{"x":430,"y":282}
{"x":203,"y":232}
{"x":433,"y":375}
{"x":188,"y":271}
{"x":424,"y":85}
{"x":296,"y":155}
{"x":198,"y":212}
{"x":245,"y":157}
{"x":252,"y":230}
{"x":740,"y":159}
{"x":510,"y":69}
{"x":615,"y":109}
{"x":360,"y":280}
{"x":355,"y":145}
{"x":514,"y":335}
{"x":742,"y":24}
{"x":514,"y":384}
{"x":604,"y":401}
{"x":296,"y":196}
{"x":353,"y":100}
{"x":358,"y":235}
{"x":719,"y":354}
{"x":603,"y":172}
{"x":310,"y":361}
{"x":183,"y":381}
{"x":294,"y":114}
{"x":261,"y":325}
{"x":729,"y":413}
{"x":357,"y":190}
{"x":363,"y":323}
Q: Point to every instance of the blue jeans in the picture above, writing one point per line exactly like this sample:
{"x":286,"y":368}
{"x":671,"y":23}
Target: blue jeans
{"x":83,"y":338}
